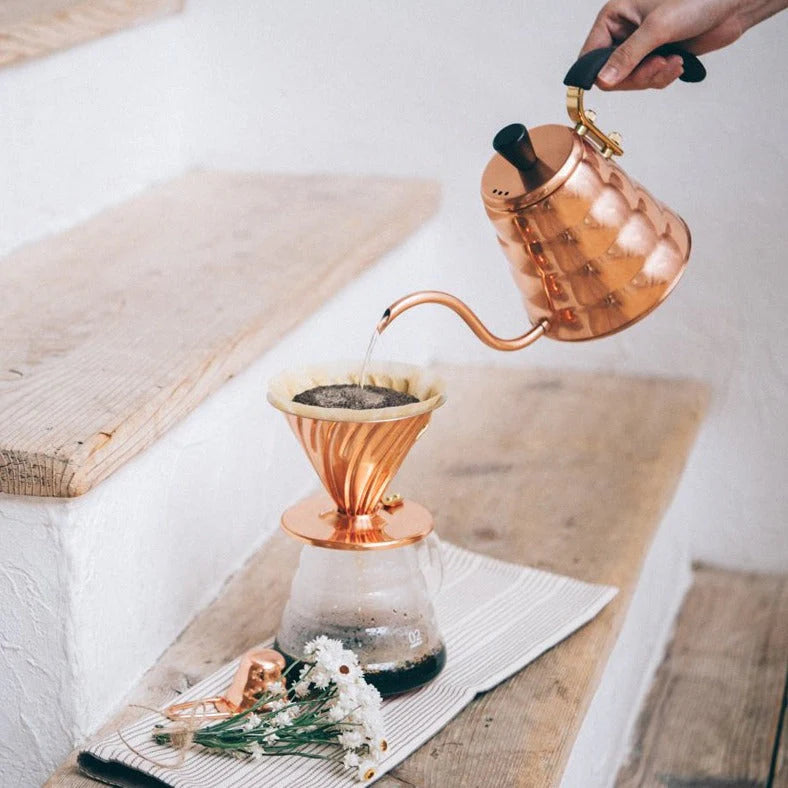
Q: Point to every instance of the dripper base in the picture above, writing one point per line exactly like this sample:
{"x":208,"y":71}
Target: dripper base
{"x":316,"y":521}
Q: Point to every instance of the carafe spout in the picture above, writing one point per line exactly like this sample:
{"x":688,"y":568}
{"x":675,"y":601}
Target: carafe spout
{"x":464,"y":311}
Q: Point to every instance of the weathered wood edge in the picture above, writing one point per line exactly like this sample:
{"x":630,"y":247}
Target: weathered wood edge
{"x":76,"y":471}
{"x":712,"y":715}
{"x":37,"y":34}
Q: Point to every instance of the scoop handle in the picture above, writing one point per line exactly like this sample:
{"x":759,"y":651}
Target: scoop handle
{"x":584,"y":72}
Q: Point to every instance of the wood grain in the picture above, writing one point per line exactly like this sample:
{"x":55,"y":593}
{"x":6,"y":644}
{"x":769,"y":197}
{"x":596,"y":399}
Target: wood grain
{"x":712,"y":714}
{"x":780,"y":765}
{"x":533,"y":467}
{"x":34,"y":28}
{"x":114,"y":331}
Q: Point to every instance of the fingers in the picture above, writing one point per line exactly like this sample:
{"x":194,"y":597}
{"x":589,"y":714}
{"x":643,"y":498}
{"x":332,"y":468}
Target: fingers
{"x":630,"y":67}
{"x":667,"y":75}
{"x":654,"y":72}
{"x":630,"y":52}
{"x":616,"y":21}
{"x":599,"y":35}
{"x":719,"y":36}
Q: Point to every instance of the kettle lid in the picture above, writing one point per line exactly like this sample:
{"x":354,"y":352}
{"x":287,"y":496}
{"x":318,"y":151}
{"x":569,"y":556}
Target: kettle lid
{"x":529,"y":165}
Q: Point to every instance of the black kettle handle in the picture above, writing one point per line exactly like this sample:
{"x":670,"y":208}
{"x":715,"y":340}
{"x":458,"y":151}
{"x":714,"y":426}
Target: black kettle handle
{"x":584,"y":72}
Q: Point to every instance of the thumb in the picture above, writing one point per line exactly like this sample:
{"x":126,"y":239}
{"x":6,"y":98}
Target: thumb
{"x":629,"y":53}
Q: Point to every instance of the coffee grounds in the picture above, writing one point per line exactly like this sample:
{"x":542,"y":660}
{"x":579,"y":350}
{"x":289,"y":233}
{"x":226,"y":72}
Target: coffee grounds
{"x":352,"y":397}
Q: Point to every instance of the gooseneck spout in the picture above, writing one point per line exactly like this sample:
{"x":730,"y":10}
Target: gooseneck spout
{"x":464,"y":311}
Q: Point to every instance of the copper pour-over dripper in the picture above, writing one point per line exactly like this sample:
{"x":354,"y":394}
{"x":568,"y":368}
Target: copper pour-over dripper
{"x":356,"y":454}
{"x":591,"y":250}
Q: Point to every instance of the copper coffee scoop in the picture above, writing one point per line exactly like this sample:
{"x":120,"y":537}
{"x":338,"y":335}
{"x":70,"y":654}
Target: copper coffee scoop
{"x":258,"y":669}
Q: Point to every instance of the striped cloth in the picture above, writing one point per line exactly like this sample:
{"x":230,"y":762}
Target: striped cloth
{"x":492,"y":614}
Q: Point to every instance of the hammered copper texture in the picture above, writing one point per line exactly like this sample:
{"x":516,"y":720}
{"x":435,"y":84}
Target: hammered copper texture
{"x":593,"y":256}
{"x":356,"y":461}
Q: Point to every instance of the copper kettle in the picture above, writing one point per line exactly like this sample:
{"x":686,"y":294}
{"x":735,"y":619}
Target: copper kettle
{"x":591,"y":250}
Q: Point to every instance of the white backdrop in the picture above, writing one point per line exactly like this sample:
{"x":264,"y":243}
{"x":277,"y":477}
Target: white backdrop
{"x":417,"y":88}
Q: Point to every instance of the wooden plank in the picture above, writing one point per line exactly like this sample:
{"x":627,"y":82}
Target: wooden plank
{"x":780,"y":764}
{"x":34,"y":28}
{"x":528,"y":466}
{"x":712,"y":714}
{"x":115,"y":330}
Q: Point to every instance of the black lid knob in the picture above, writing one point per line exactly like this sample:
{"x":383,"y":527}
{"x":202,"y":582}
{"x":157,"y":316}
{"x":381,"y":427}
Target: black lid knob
{"x":514,"y":144}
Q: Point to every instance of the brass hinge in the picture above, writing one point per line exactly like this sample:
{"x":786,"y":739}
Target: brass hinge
{"x":608,"y":144}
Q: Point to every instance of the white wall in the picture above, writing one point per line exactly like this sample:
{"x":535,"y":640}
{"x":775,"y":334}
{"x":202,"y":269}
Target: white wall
{"x":90,"y":126}
{"x":419,"y":88}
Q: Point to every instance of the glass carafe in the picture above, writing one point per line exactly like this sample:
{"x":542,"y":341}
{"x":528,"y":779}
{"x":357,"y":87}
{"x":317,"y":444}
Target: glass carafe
{"x":377,"y":602}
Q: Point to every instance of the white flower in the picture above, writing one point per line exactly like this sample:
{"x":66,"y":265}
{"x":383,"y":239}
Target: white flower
{"x":351,"y":739}
{"x":378,"y":748}
{"x":375,"y":729}
{"x":330,"y":652}
{"x":284,"y":718}
{"x":256,"y":750}
{"x":366,"y":770}
{"x":313,"y":645}
{"x":276,"y":688}
{"x":367,"y":715}
{"x":271,"y":738}
{"x":346,"y":673}
{"x":336,"y":713}
{"x":350,"y":760}
{"x":320,"y":678}
{"x":369,"y":695}
{"x":252,"y":722}
{"x":331,"y":657}
{"x":301,"y":689}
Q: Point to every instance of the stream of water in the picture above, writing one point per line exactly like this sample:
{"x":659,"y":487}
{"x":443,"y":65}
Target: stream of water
{"x":362,"y":380}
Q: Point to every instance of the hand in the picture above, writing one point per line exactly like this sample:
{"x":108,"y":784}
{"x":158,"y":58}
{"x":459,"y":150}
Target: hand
{"x":640,"y":26}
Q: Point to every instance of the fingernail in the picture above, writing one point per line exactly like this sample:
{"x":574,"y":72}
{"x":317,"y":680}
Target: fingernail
{"x":609,"y":75}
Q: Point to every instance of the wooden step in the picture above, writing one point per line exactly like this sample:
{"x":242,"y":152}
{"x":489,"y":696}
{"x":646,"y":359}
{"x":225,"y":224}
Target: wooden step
{"x":114,"y":331}
{"x":716,"y":711}
{"x":34,"y":28}
{"x":528,"y":466}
